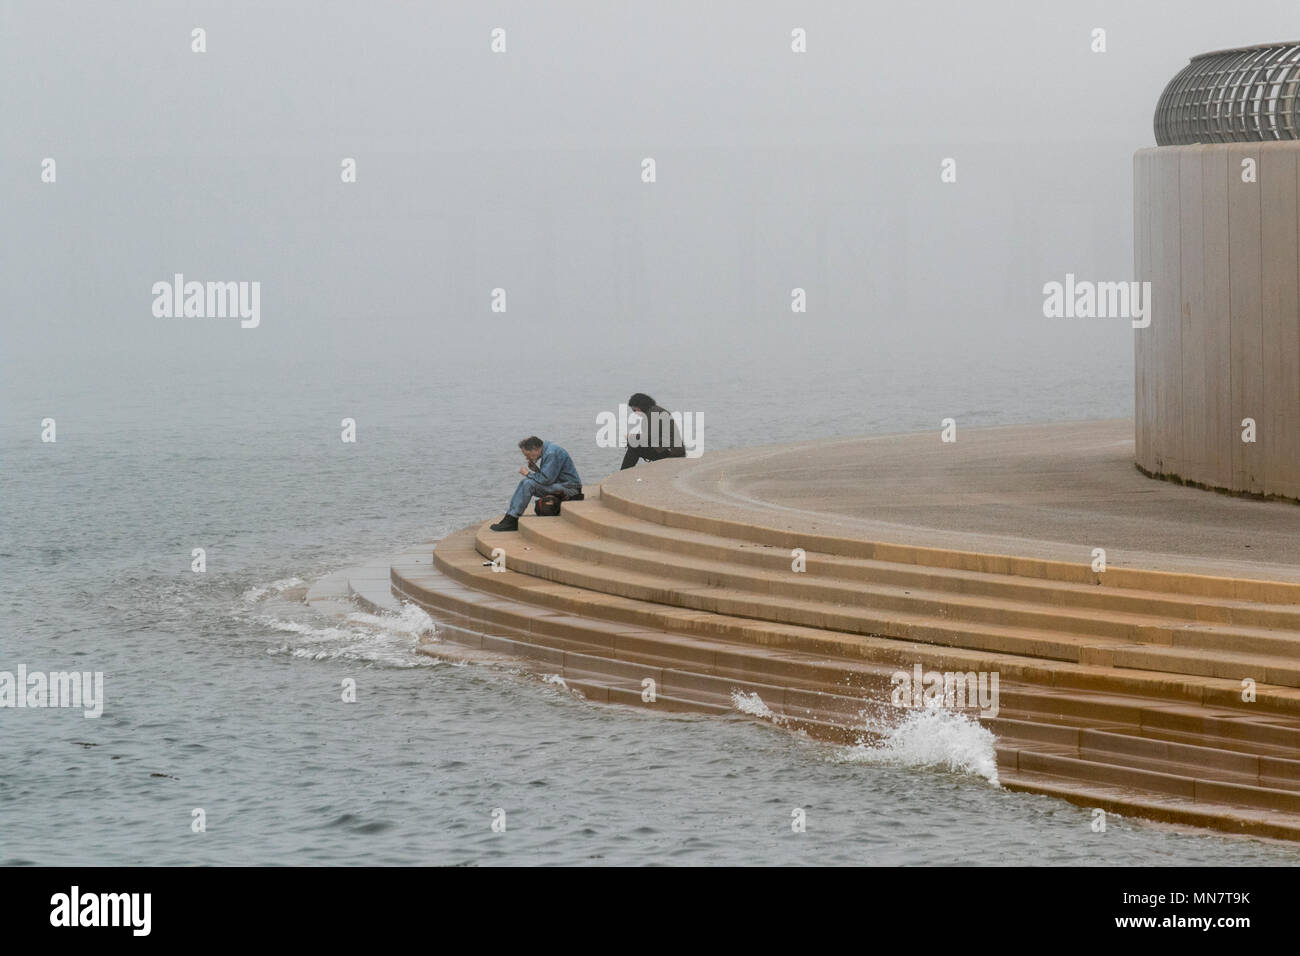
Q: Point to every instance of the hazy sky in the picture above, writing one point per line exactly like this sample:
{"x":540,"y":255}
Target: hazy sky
{"x":522,"y":170}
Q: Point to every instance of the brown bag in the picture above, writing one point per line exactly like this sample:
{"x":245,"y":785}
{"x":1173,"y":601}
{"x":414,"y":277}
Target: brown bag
{"x":548,"y":506}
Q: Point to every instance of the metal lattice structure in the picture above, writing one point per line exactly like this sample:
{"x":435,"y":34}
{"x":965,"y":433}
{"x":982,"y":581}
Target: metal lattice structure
{"x":1233,"y":96}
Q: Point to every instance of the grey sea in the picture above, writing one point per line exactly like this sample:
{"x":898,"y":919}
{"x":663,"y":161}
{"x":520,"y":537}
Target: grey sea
{"x":222,"y":689}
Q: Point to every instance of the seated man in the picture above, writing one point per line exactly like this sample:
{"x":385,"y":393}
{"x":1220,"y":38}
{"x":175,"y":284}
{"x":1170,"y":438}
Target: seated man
{"x":658,"y":437}
{"x":549,"y":471}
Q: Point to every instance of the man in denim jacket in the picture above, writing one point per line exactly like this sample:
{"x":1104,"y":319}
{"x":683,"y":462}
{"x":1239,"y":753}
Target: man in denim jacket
{"x":549,"y":471}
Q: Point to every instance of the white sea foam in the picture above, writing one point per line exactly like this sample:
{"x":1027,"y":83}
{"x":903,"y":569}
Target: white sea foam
{"x":933,"y":737}
{"x":253,"y":595}
{"x":412,"y":621}
{"x":388,"y":640}
{"x":753,"y":705}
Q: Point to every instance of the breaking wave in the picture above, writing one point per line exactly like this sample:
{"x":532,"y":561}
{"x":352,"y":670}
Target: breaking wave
{"x":253,"y":595}
{"x":389,"y":640}
{"x":933,"y":737}
{"x":753,"y":705}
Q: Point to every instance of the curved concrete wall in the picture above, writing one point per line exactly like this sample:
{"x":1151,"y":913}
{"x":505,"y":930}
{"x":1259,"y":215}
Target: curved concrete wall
{"x":1223,"y":259}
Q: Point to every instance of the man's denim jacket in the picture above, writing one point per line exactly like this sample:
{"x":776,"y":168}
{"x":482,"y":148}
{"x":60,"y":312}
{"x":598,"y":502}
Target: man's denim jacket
{"x":555,"y":467}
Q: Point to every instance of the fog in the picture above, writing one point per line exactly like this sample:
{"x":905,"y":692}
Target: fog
{"x":522,"y":170}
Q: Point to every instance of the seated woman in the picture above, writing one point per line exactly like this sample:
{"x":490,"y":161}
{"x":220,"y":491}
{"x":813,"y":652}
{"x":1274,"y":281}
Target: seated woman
{"x":658,"y":437}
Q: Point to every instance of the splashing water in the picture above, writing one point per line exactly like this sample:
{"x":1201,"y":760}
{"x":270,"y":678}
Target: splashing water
{"x":413,"y":621}
{"x":253,"y":595}
{"x":753,"y":705}
{"x":933,"y":737}
{"x":387,"y":640}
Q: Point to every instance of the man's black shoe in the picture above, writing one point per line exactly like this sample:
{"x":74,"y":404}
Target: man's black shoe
{"x":508,"y":523}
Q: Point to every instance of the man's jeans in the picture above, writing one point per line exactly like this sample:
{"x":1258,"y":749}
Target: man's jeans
{"x":527,"y":488}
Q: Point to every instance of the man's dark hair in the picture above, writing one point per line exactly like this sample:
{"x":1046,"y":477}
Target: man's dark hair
{"x":641,"y":400}
{"x":531,"y":442}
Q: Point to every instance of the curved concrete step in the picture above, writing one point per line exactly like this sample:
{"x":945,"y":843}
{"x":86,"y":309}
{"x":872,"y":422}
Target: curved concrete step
{"x":601,"y":520}
{"x":457,"y":556}
{"x":540,"y":560}
{"x":865,"y":684}
{"x":537,"y":599}
{"x":1034,"y":756}
{"x":574,"y":538}
{"x":615,"y":493}
{"x":1090,"y":689}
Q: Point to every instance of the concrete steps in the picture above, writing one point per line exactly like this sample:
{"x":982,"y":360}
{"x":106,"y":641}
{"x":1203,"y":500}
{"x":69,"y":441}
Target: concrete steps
{"x":601,"y":519}
{"x":1137,"y":743}
{"x":1262,"y":654}
{"x":457,"y":556}
{"x":694,"y":516}
{"x":559,"y":552}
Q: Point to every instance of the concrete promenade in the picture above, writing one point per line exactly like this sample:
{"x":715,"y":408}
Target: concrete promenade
{"x":1166,"y":686}
{"x":1048,"y":491}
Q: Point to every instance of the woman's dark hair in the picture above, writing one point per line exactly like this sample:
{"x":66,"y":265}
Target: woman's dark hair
{"x":641,"y":400}
{"x":531,"y":442}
